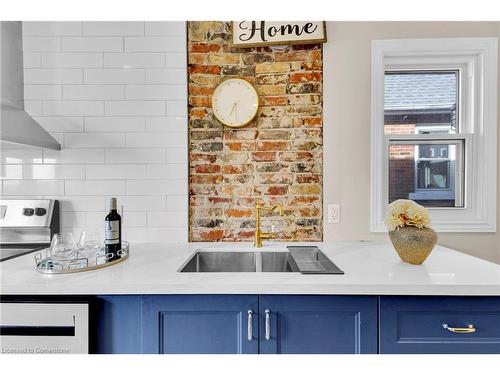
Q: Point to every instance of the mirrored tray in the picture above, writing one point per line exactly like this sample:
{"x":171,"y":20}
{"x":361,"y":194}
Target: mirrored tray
{"x":84,"y":261}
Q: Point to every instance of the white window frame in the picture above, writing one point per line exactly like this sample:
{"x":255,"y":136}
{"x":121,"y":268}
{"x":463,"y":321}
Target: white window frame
{"x":477,"y":60}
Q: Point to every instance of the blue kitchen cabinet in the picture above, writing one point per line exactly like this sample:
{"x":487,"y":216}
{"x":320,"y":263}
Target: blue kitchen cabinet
{"x":200,"y":324}
{"x":318,"y":324}
{"x":118,"y":324}
{"x":439,"y":325}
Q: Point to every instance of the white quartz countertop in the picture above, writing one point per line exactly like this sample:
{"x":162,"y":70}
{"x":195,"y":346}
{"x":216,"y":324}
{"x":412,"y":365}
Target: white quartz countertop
{"x":370,"y":268}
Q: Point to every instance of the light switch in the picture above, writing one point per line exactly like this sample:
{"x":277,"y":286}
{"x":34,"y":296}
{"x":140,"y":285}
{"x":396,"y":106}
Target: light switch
{"x":333,"y":213}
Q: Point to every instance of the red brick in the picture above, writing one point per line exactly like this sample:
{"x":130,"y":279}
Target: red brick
{"x":200,"y":101}
{"x":239,"y":213}
{"x":207,"y":168}
{"x":204,"y":47}
{"x":212,"y":235}
{"x":264,"y":156}
{"x":271,"y":146}
{"x":202,"y":179}
{"x":200,"y":90}
{"x":270,"y":101}
{"x":305,"y":77}
{"x":205,"y":69}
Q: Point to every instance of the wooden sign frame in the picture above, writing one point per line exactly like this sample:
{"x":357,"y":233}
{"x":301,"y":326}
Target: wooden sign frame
{"x":292,"y":26}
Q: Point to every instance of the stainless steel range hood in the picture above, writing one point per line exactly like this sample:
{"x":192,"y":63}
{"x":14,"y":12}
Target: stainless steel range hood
{"x":16,"y":125}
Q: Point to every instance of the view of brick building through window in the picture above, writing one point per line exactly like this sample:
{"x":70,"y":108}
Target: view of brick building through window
{"x":421,"y":103}
{"x":277,"y":158}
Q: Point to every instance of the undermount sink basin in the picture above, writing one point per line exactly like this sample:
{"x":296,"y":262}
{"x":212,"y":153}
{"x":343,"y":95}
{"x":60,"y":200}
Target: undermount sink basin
{"x":232,"y":261}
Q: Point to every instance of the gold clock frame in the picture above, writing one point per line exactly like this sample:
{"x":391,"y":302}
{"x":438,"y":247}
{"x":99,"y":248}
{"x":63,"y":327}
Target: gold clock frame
{"x":256,"y":108}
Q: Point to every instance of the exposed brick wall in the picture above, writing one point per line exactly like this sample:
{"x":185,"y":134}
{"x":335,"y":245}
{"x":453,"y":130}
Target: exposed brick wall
{"x":275,"y":159}
{"x":401,"y":164}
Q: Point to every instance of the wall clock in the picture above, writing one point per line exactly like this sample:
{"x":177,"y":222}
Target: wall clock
{"x":235,"y":102}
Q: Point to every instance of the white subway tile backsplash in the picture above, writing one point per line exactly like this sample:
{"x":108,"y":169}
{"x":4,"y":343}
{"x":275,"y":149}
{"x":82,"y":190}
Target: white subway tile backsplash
{"x":142,"y":202}
{"x":150,"y":187}
{"x":176,"y":108}
{"x":30,"y":187}
{"x":135,"y":108}
{"x":135,"y":155}
{"x":73,"y":156}
{"x":33,"y":107}
{"x":166,"y":76}
{"x":173,"y":28}
{"x":61,"y":124}
{"x":52,"y":76}
{"x":92,"y":44}
{"x":175,"y":60}
{"x":40,"y":92}
{"x":114,"y":94}
{"x":167,"y":171}
{"x":160,"y":140}
{"x":115,"y":172}
{"x":177,"y":203}
{"x":41,"y":43}
{"x":73,"y":219}
{"x":73,"y":108}
{"x":155,"y":44}
{"x":20,"y":155}
{"x":93,"y":92}
{"x":115,"y":124}
{"x":134,"y":219}
{"x":114,"y":76}
{"x":134,"y":60}
{"x":97,"y":187}
{"x":94,"y":140}
{"x":168,"y":218}
{"x":117,"y":28}
{"x":167,"y":124}
{"x":71,"y":60}
{"x":160,"y":234}
{"x":11,"y":172}
{"x":177,"y":155}
{"x":155,"y":92}
{"x":51,"y":28}
{"x":31,"y":60}
{"x":81,"y":203}
{"x":53,"y":172}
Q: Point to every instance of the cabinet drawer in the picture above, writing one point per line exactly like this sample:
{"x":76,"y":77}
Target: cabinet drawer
{"x":429,"y":324}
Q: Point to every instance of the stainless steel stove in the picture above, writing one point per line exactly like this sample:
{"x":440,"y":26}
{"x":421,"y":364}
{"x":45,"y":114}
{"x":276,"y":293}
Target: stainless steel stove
{"x":26,"y":225}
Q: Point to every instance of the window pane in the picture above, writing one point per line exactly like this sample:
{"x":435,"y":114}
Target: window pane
{"x":419,"y":102}
{"x":428,"y":172}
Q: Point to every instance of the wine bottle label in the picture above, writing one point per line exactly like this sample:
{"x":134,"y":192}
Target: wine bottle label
{"x":112,"y":232}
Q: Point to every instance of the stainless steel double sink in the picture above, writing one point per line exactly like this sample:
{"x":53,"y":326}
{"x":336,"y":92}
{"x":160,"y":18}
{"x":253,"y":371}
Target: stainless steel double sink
{"x":239,"y":261}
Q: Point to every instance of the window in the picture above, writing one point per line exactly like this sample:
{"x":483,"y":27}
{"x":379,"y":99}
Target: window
{"x":433,"y":133}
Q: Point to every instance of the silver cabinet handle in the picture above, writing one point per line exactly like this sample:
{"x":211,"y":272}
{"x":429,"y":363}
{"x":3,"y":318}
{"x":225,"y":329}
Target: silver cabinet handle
{"x":250,"y":325}
{"x":268,"y":324}
{"x":469,"y":329}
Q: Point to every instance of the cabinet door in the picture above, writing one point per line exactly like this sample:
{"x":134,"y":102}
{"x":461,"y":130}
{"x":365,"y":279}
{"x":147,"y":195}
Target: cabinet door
{"x":118,"y":324}
{"x":318,"y":324}
{"x":200,"y":324}
{"x":439,"y":325}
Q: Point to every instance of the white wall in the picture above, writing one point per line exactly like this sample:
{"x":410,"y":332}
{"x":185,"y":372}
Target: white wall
{"x":346,"y":166}
{"x":115,"y":95}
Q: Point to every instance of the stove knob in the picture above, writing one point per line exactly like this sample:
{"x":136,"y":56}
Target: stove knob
{"x":28,"y":211}
{"x":40,"y":211}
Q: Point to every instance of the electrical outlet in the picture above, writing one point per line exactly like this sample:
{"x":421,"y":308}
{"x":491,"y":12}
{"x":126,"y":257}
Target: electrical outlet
{"x":333,"y":213}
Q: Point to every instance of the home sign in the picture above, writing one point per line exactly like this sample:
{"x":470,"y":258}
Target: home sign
{"x":265,"y":33}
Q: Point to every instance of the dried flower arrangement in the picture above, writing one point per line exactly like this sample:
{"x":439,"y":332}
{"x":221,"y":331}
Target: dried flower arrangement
{"x":407,"y":213}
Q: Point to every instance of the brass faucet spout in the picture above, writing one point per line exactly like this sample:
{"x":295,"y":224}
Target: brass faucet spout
{"x":259,"y":235}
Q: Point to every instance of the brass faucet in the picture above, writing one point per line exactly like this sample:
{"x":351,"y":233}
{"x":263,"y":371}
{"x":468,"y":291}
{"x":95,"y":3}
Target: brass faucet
{"x":259,"y":235}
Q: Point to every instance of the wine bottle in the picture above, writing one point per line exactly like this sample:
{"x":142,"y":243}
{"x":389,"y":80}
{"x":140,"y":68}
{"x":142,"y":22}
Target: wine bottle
{"x":113,"y":232}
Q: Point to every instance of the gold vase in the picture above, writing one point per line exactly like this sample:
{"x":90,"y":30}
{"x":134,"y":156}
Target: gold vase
{"x":413,"y":244}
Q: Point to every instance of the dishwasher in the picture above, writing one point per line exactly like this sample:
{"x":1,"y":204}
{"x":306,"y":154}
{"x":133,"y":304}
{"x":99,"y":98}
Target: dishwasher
{"x":46,"y":325}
